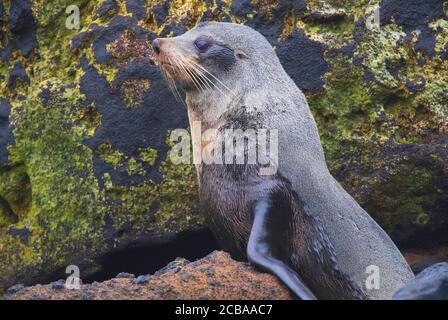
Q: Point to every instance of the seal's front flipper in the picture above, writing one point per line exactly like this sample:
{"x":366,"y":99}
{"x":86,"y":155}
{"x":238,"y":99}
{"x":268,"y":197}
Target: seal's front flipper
{"x":260,"y":253}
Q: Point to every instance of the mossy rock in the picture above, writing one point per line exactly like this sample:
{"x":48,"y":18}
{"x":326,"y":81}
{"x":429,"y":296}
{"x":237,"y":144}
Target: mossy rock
{"x":85,"y":121}
{"x":84,"y":139}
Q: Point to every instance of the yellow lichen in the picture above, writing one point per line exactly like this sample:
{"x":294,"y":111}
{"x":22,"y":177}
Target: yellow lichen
{"x":148,"y":155}
{"x":133,"y":92}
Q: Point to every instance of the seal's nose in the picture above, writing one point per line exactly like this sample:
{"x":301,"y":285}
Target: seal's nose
{"x":156,"y":46}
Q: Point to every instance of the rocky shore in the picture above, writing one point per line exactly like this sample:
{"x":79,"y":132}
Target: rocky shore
{"x":216,"y":276}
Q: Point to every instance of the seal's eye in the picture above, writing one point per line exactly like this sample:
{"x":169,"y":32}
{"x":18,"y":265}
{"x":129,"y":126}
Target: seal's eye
{"x":202,"y":43}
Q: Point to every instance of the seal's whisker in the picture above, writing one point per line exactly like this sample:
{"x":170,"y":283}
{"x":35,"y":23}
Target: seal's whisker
{"x":197,"y":73}
{"x":209,"y":82}
{"x":179,"y":67}
{"x":188,"y":72}
{"x":175,"y":91}
{"x":213,"y":83}
{"x":172,"y":85}
{"x":210,"y":85}
{"x":194,"y":74}
{"x":197,"y":76}
{"x":205,"y":78}
{"x":214,"y":77}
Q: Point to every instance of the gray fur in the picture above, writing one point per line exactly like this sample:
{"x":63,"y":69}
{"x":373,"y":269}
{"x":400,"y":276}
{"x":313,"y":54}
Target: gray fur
{"x":262,"y":91}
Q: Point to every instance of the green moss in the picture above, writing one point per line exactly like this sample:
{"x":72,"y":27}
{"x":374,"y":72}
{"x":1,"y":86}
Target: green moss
{"x":361,"y":121}
{"x":441,"y":27}
{"x":178,"y":196}
{"x":115,"y":158}
{"x":135,"y":167}
{"x":378,"y":47}
{"x":148,"y":155}
{"x":15,"y":189}
{"x":49,"y":185}
{"x":170,"y":205}
{"x":406,"y":197}
{"x":341,"y":15}
{"x":66,"y":207}
{"x":187,"y":13}
{"x":108,"y":71}
{"x":348,"y":110}
{"x":7,"y":216}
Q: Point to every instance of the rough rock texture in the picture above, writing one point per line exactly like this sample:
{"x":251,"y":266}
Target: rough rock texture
{"x":84,"y":120}
{"x":213,"y":277}
{"x":83,"y":160}
{"x":430,"y":284}
{"x":217,"y":276}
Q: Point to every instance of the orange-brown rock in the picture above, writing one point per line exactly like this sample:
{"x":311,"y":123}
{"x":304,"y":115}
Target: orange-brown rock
{"x":216,"y":276}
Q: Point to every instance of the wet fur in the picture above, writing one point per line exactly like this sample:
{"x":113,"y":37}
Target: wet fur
{"x":319,"y":230}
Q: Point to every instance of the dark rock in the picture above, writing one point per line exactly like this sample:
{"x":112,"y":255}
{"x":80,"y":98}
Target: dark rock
{"x":150,"y":123}
{"x":6,"y":137}
{"x":418,"y":267}
{"x":137,"y":8}
{"x":414,"y":15}
{"x":212,"y":283}
{"x":174,"y":27}
{"x":15,"y":289}
{"x":241,"y":8}
{"x":101,"y":36}
{"x":411,"y":14}
{"x":5,"y":53}
{"x":115,"y":113}
{"x":107,"y":7}
{"x":430,"y":284}
{"x":17,"y":72}
{"x":160,"y":12}
{"x":24,"y":234}
{"x":128,"y":130}
{"x":20,"y":16}
{"x":79,"y":40}
{"x":58,"y":285}
{"x":142,"y":279}
{"x":320,"y":17}
{"x":286,"y":6}
{"x":125,"y":275}
{"x":306,"y":68}
{"x":23,"y":26}
{"x":415,"y":87}
{"x":444,"y":55}
{"x":2,"y":11}
{"x":407,"y":233}
{"x":26,"y":42}
{"x":421,"y":61}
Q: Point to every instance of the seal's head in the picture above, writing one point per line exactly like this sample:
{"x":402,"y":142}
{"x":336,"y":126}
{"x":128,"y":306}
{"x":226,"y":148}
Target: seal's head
{"x":216,"y":55}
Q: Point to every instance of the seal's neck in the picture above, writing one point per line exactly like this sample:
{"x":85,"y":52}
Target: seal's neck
{"x":210,"y":107}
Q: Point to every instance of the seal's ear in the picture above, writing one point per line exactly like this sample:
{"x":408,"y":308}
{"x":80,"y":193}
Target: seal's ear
{"x":241,"y":54}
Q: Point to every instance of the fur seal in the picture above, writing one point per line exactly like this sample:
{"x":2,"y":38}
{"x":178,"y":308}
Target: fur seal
{"x":298,"y":223}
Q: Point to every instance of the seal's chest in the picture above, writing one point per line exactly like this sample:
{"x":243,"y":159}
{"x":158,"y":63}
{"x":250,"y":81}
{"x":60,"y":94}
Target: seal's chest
{"x":226,"y":203}
{"x":230,"y":226}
